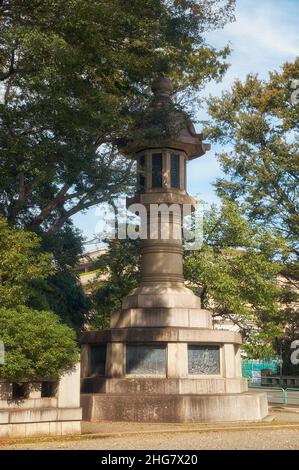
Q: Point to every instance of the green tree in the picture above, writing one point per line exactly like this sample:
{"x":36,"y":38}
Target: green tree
{"x":66,"y":246}
{"x":259,"y":122}
{"x":73,"y":73}
{"x":30,"y":275}
{"x":118,"y":275}
{"x":62,"y":292}
{"x":37,"y":344}
{"x":256,"y":123}
{"x":235,"y":274}
{"x":21,"y":262}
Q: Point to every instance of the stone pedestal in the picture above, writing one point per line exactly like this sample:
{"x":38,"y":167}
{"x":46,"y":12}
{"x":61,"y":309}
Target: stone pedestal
{"x":167,"y":408}
{"x":175,"y":393}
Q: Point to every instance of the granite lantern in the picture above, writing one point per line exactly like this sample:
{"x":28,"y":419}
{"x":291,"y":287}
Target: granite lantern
{"x":161,"y":360}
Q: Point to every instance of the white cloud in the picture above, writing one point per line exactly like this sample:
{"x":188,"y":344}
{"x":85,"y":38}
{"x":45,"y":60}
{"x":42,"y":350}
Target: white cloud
{"x":266,"y":28}
{"x":263,"y":37}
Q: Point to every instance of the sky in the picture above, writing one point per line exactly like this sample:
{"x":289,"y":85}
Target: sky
{"x":263,"y":37}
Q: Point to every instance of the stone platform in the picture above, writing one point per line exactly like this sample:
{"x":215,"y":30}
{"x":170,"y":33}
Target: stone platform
{"x":175,"y":408}
{"x":177,"y":393}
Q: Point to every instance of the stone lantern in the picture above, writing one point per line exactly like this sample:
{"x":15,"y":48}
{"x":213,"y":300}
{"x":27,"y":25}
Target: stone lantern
{"x":161,"y":360}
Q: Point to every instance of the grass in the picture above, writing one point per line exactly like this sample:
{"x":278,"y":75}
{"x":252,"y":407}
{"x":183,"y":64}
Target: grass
{"x":89,"y":272}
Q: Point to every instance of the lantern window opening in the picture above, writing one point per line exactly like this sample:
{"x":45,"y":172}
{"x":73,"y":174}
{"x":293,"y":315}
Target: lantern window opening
{"x":157,"y":170}
{"x":141,"y":174}
{"x":175,"y":170}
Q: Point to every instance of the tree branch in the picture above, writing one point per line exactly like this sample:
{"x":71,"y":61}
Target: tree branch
{"x":11,"y":69}
{"x":23,"y":197}
{"x":46,"y":211}
{"x":77,"y":208}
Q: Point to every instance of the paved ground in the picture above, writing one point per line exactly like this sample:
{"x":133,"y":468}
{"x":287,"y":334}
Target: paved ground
{"x":249,"y":439}
{"x":281,"y":431}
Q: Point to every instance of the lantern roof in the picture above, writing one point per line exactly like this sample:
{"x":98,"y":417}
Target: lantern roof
{"x":163,"y":125}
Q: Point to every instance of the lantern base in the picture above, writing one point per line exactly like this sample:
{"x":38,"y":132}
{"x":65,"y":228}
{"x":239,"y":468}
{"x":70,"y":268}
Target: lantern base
{"x":175,"y":408}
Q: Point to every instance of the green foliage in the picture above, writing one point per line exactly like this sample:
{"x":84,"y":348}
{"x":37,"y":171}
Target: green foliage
{"x":118,"y":275}
{"x":259,"y":122}
{"x":61,"y":291}
{"x":66,"y":246}
{"x":29,"y":276}
{"x":63,"y":294}
{"x":37,"y":345}
{"x":21,"y":263}
{"x":235,"y":274}
{"x":73,"y":73}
